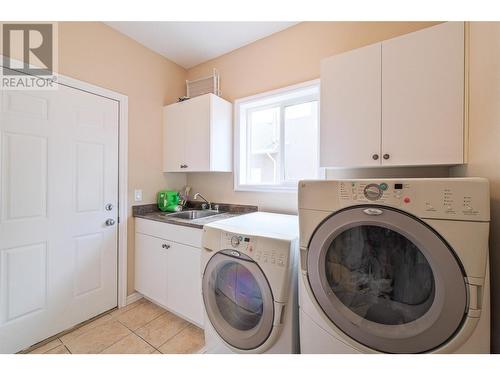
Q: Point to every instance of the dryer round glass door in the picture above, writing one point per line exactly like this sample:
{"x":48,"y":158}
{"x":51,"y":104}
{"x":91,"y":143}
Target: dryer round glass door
{"x":387,"y":279}
{"x":238,"y":300}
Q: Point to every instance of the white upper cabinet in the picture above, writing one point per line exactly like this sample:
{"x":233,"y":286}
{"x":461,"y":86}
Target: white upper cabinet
{"x":197,"y":135}
{"x":423,"y":97}
{"x":417,"y":117}
{"x":174,"y":130}
{"x":350,"y":108}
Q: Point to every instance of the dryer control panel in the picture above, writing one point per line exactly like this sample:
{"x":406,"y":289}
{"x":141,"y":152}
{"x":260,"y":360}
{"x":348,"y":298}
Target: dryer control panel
{"x":248,"y":245}
{"x":459,"y":199}
{"x":393,"y":194}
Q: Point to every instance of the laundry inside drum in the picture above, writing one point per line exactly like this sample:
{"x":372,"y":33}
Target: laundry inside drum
{"x":380,"y":275}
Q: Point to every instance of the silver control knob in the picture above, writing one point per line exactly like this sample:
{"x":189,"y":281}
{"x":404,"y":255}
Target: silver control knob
{"x":373,"y":192}
{"x":235,"y":241}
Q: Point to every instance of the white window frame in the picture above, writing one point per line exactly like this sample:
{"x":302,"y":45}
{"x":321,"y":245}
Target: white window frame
{"x":270,"y":95}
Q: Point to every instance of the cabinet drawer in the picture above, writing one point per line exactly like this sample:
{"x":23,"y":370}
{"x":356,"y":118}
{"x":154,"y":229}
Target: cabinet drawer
{"x":171,"y":232}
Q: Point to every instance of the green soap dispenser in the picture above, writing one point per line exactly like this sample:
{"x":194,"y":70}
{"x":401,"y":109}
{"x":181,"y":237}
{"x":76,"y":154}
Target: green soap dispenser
{"x":168,"y":201}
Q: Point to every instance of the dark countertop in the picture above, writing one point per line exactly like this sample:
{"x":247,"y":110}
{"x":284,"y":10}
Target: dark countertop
{"x":151,"y":212}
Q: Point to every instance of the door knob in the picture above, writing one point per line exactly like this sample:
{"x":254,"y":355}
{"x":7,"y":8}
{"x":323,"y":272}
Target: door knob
{"x":386,"y":156}
{"x":110,"y":222}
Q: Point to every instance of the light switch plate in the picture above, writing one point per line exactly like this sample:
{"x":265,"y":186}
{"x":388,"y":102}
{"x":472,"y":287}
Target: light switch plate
{"x":138,"y":195}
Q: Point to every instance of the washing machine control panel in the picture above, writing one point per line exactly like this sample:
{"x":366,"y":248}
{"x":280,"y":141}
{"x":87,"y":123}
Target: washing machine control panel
{"x":248,"y":245}
{"x":238,"y":242}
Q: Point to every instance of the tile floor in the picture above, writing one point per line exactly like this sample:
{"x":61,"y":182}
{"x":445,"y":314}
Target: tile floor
{"x":139,"y":328}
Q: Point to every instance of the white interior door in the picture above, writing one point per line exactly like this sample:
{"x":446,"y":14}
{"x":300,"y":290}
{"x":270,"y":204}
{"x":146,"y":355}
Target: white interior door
{"x":58,"y":172}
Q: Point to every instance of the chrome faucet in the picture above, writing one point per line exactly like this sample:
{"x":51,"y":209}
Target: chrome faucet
{"x":202,"y":197}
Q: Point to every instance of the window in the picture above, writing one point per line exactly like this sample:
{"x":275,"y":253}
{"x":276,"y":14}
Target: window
{"x":276,"y":141}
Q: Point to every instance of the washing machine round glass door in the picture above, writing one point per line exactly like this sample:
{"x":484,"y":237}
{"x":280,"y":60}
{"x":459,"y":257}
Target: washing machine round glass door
{"x":238,"y":299}
{"x":387,"y":279}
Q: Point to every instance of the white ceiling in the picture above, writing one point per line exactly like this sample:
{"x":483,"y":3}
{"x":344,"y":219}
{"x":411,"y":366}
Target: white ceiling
{"x":191,"y":43}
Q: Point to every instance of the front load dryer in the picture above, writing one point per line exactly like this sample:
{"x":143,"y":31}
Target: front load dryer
{"x":394,"y":266}
{"x":249,"y":284}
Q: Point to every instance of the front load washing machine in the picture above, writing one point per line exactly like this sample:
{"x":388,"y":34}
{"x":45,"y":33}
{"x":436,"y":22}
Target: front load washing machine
{"x":394,"y":266}
{"x":249,"y":284}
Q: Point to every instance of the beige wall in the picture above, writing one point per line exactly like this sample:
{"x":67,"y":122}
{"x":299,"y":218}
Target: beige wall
{"x":484,"y":138}
{"x":95,"y":53}
{"x":282,"y":59}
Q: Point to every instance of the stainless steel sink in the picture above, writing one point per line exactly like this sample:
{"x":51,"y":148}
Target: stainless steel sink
{"x":193,"y":214}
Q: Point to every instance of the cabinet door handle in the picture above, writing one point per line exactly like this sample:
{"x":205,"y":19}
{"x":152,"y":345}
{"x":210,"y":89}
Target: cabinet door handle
{"x":165,"y":246}
{"x":375,"y":156}
{"x":184,"y":166}
{"x":387,"y":156}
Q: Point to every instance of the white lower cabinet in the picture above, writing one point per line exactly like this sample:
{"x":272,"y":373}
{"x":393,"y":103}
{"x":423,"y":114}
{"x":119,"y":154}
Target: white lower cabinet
{"x":167,"y":271}
{"x":184,"y":282}
{"x":151,"y":267}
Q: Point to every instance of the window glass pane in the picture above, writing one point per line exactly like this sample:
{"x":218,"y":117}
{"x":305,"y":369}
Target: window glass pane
{"x":301,"y":141}
{"x":278,"y":138}
{"x":263,"y":146}
{"x":380,"y":275}
{"x":238,"y":296}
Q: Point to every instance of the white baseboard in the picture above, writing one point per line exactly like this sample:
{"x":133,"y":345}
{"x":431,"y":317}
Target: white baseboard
{"x":136,"y":296}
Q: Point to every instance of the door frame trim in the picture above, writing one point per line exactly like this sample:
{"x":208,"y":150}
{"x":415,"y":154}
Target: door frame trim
{"x":122,"y":169}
